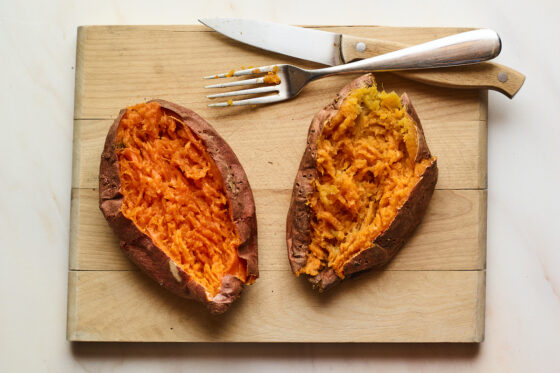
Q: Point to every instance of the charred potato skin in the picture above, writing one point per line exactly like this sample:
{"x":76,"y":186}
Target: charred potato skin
{"x":140,"y":248}
{"x":387,"y":244}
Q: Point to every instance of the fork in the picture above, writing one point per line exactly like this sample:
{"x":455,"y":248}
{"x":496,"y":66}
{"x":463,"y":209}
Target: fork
{"x":461,"y":49}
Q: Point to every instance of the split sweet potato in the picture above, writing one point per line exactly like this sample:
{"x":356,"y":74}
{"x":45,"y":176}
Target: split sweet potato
{"x":363,"y":184}
{"x":177,"y":197}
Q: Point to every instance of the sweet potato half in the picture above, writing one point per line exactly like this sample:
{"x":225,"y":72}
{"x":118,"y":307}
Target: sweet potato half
{"x":177,"y":197}
{"x":363,"y":184}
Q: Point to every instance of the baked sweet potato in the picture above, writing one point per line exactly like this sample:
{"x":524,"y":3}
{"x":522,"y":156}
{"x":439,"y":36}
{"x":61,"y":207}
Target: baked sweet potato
{"x":178,"y":199}
{"x":363,"y":184}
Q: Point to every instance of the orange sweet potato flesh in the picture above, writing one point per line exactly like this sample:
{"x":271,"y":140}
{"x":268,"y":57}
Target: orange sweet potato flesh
{"x":174,"y":193}
{"x":178,"y":198}
{"x":364,"y":184}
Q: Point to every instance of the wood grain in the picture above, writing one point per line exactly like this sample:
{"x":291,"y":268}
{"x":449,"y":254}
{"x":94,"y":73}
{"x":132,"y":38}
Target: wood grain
{"x":460,"y":148}
{"x":121,"y":66}
{"x":388,"y":306}
{"x":432,"y":291}
{"x":453,"y":216}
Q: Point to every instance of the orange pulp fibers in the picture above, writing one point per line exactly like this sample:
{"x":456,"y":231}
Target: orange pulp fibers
{"x":365,"y":160}
{"x":174,"y":193}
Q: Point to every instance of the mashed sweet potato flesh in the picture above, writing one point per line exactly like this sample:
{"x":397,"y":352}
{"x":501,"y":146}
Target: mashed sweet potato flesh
{"x":366,"y":171}
{"x":174,"y":193}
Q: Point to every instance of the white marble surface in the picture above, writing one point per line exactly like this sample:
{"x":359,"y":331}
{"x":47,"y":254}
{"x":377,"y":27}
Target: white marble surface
{"x":38,"y":39}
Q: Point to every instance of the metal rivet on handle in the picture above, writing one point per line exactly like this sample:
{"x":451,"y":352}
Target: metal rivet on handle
{"x":361,"y":46}
{"x":502,"y":77}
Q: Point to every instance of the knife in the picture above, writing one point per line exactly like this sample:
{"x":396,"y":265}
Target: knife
{"x":329,"y":48}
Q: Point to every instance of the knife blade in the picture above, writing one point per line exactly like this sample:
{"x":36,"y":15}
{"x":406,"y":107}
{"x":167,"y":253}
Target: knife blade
{"x":331,"y":48}
{"x":312,"y":45}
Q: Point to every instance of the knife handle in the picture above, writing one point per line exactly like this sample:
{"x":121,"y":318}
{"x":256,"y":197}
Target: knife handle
{"x":487,"y":75}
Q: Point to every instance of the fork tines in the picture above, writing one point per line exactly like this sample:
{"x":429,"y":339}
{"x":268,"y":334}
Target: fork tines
{"x":250,"y":101}
{"x":256,"y":70}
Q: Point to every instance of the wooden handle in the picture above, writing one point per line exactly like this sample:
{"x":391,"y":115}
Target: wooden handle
{"x":487,"y":75}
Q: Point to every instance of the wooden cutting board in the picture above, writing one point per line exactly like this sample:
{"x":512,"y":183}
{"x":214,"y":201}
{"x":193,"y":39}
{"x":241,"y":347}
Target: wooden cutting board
{"x":433,"y":291}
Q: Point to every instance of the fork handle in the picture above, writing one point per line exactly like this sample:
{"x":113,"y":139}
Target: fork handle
{"x":486,"y":75}
{"x":466,"y":48}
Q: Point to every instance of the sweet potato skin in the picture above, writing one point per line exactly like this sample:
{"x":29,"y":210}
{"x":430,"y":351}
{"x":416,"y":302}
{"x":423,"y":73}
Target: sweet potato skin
{"x":141,"y":249}
{"x":387,"y":244}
